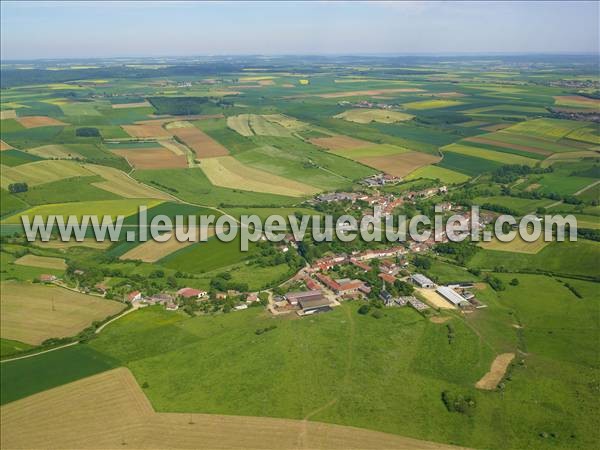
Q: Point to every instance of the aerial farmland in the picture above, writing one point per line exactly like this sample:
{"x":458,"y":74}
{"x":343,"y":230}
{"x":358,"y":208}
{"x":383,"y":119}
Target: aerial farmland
{"x":300,"y":342}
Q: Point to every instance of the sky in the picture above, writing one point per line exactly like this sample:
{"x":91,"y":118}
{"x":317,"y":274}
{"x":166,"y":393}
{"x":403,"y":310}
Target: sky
{"x":72,"y":29}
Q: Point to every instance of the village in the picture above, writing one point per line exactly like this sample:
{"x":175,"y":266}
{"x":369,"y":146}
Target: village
{"x":378,"y":274}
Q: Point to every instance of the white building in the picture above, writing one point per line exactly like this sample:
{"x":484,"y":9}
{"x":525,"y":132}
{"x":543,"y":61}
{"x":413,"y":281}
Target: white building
{"x":422,"y":281}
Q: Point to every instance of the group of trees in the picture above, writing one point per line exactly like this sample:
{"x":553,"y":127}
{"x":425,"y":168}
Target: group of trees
{"x":511,"y":172}
{"x":15,"y":188}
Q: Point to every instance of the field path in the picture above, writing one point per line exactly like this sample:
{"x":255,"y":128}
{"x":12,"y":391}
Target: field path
{"x":39,"y":353}
{"x":589,"y":186}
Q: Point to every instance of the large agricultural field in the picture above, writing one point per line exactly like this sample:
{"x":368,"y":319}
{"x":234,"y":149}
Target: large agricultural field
{"x":132,"y":343}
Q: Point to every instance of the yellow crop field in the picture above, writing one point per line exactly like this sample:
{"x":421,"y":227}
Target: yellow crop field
{"x":44,"y":262}
{"x":4,"y":146}
{"x":505,"y":158}
{"x":551,"y":129}
{"x":228,"y":172}
{"x":589,"y":134}
{"x":40,"y":172}
{"x":53,"y":151}
{"x":432,"y":104}
{"x":32,"y":313}
{"x":363,"y":115}
{"x":119,"y":183}
{"x":109,"y":410}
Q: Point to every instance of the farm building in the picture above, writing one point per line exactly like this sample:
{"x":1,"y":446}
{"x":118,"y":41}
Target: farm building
{"x":134,"y":296}
{"x":360,"y":265}
{"x":452,"y":296}
{"x":160,"y":299}
{"x":46,"y":278}
{"x":240,"y":307}
{"x":294,"y":298}
{"x":387,"y":278}
{"x":312,"y":306}
{"x":191,"y":293}
{"x":422,"y":281}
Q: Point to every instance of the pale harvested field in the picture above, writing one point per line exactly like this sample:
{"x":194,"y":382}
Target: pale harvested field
{"x":167,"y":118}
{"x":56,"y":244}
{"x":153,"y":158}
{"x":400,"y":164}
{"x":517,"y":245}
{"x":109,"y":411}
{"x":435,"y":299}
{"x":54,"y":151}
{"x":340,"y":142}
{"x":119,"y":183}
{"x":131,"y":105}
{"x":491,"y":379}
{"x":4,"y":146}
{"x":240,"y":124}
{"x":229,"y":172}
{"x":363,"y":115}
{"x":40,"y":172}
{"x":39,"y":121}
{"x":525,"y":148}
{"x":179,"y":124}
{"x":287,"y":122}
{"x":368,"y":92}
{"x":147,"y":130}
{"x":8,"y":114}
{"x":44,"y":262}
{"x":28,"y":314}
{"x":173,"y":146}
{"x":201,"y":143}
{"x":151,"y":251}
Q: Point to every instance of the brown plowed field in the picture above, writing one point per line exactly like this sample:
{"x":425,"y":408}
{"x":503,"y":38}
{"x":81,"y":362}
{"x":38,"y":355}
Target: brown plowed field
{"x":400,"y":164}
{"x":340,"y":142}
{"x":201,"y":143}
{"x":153,"y":158}
{"x":39,"y":121}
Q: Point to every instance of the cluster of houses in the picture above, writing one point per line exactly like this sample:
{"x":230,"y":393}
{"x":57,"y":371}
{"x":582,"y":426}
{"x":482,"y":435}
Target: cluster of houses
{"x":384,"y":201}
{"x":169,"y":301}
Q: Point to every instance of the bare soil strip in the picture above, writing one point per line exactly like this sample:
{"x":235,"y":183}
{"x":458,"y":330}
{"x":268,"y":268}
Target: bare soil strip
{"x":201,"y":143}
{"x":110,"y":410}
{"x":39,"y":121}
{"x":400,"y":164}
{"x":491,"y":379}
{"x":340,"y":142}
